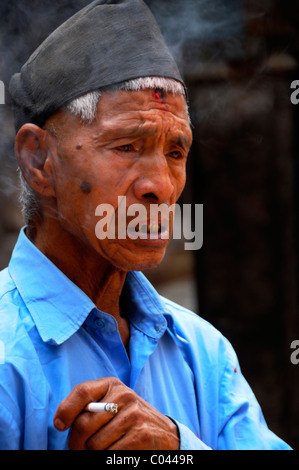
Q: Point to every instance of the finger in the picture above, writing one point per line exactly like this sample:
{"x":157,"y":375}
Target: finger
{"x":102,"y":428}
{"x":134,"y":439}
{"x":126,"y":442}
{"x":111,"y":432}
{"x":79,"y":397}
{"x":85,"y":426}
{"x":127,"y":429}
{"x":103,"y":439}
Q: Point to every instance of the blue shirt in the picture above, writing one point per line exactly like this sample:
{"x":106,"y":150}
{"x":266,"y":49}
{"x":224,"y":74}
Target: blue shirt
{"x":53,"y":337}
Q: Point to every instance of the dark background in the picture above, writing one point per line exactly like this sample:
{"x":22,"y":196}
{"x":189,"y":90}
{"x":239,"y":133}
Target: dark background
{"x":238,"y":59}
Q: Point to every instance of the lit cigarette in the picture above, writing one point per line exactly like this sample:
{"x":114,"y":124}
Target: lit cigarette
{"x":98,"y":406}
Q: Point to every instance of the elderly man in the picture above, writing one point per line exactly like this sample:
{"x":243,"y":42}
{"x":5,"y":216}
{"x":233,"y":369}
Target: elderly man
{"x":101,"y":114}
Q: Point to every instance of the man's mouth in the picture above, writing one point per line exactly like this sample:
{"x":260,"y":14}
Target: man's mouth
{"x":148,"y":231}
{"x":150,"y":228}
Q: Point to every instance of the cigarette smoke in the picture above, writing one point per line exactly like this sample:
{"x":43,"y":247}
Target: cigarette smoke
{"x":204,"y":20}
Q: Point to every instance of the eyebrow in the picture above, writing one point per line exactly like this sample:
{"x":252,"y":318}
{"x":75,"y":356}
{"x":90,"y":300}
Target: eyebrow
{"x":139,"y":131}
{"x":183,"y":141}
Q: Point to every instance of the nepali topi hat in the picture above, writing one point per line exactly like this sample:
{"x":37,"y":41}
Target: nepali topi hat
{"x":105,"y":43}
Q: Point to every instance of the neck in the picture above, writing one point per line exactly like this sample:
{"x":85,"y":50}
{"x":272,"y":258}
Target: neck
{"x":93,"y":274}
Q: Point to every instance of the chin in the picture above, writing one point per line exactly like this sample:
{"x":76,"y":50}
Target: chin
{"x":133,"y":262}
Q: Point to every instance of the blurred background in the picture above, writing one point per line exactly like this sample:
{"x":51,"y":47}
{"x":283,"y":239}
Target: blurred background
{"x":238,"y":59}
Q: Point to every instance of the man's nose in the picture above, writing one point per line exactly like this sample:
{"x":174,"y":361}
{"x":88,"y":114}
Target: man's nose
{"x":155,"y":183}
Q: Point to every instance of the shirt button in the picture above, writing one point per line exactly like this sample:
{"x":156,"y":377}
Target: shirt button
{"x":99,"y":323}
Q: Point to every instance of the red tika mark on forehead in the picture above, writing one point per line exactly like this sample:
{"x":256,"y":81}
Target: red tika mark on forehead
{"x":159,"y":94}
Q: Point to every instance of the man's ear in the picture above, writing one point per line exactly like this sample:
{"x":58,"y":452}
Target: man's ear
{"x":32,"y":149}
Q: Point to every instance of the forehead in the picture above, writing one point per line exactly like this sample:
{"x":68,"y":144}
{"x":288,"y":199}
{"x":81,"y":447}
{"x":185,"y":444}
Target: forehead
{"x":146,"y":109}
{"x":122,"y":114}
{"x":143,"y":100}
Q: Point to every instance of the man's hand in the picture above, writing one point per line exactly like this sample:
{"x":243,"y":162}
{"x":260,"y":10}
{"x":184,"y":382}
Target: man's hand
{"x":137,"y":425}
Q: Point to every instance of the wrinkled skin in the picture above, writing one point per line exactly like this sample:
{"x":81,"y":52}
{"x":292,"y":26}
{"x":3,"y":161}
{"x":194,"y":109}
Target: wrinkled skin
{"x":137,"y":147}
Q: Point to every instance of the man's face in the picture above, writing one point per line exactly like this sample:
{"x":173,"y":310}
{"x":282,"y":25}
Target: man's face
{"x":137,"y":147}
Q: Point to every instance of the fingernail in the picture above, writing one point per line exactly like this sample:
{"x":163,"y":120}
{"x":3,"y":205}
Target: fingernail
{"x":59,"y":425}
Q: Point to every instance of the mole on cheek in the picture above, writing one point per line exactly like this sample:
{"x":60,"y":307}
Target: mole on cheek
{"x":85,"y":187}
{"x":79,"y":146}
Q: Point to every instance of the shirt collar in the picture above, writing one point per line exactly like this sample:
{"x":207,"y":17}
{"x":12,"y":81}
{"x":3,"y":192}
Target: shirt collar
{"x":59,"y":308}
{"x":145,"y":309}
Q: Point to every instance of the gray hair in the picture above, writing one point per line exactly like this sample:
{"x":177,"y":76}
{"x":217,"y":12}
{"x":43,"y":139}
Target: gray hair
{"x":85,"y":107}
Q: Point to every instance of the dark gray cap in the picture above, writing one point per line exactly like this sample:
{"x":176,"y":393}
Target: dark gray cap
{"x":103,"y":44}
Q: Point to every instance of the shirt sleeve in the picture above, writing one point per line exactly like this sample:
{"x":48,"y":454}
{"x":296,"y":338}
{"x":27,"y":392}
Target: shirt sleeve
{"x":242,"y":424}
{"x":188,"y":440}
{"x":227,"y":415}
{"x":241,"y":421}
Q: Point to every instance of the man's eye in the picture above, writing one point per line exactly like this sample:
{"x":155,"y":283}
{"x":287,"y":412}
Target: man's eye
{"x":175,"y":154}
{"x":125,"y":148}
